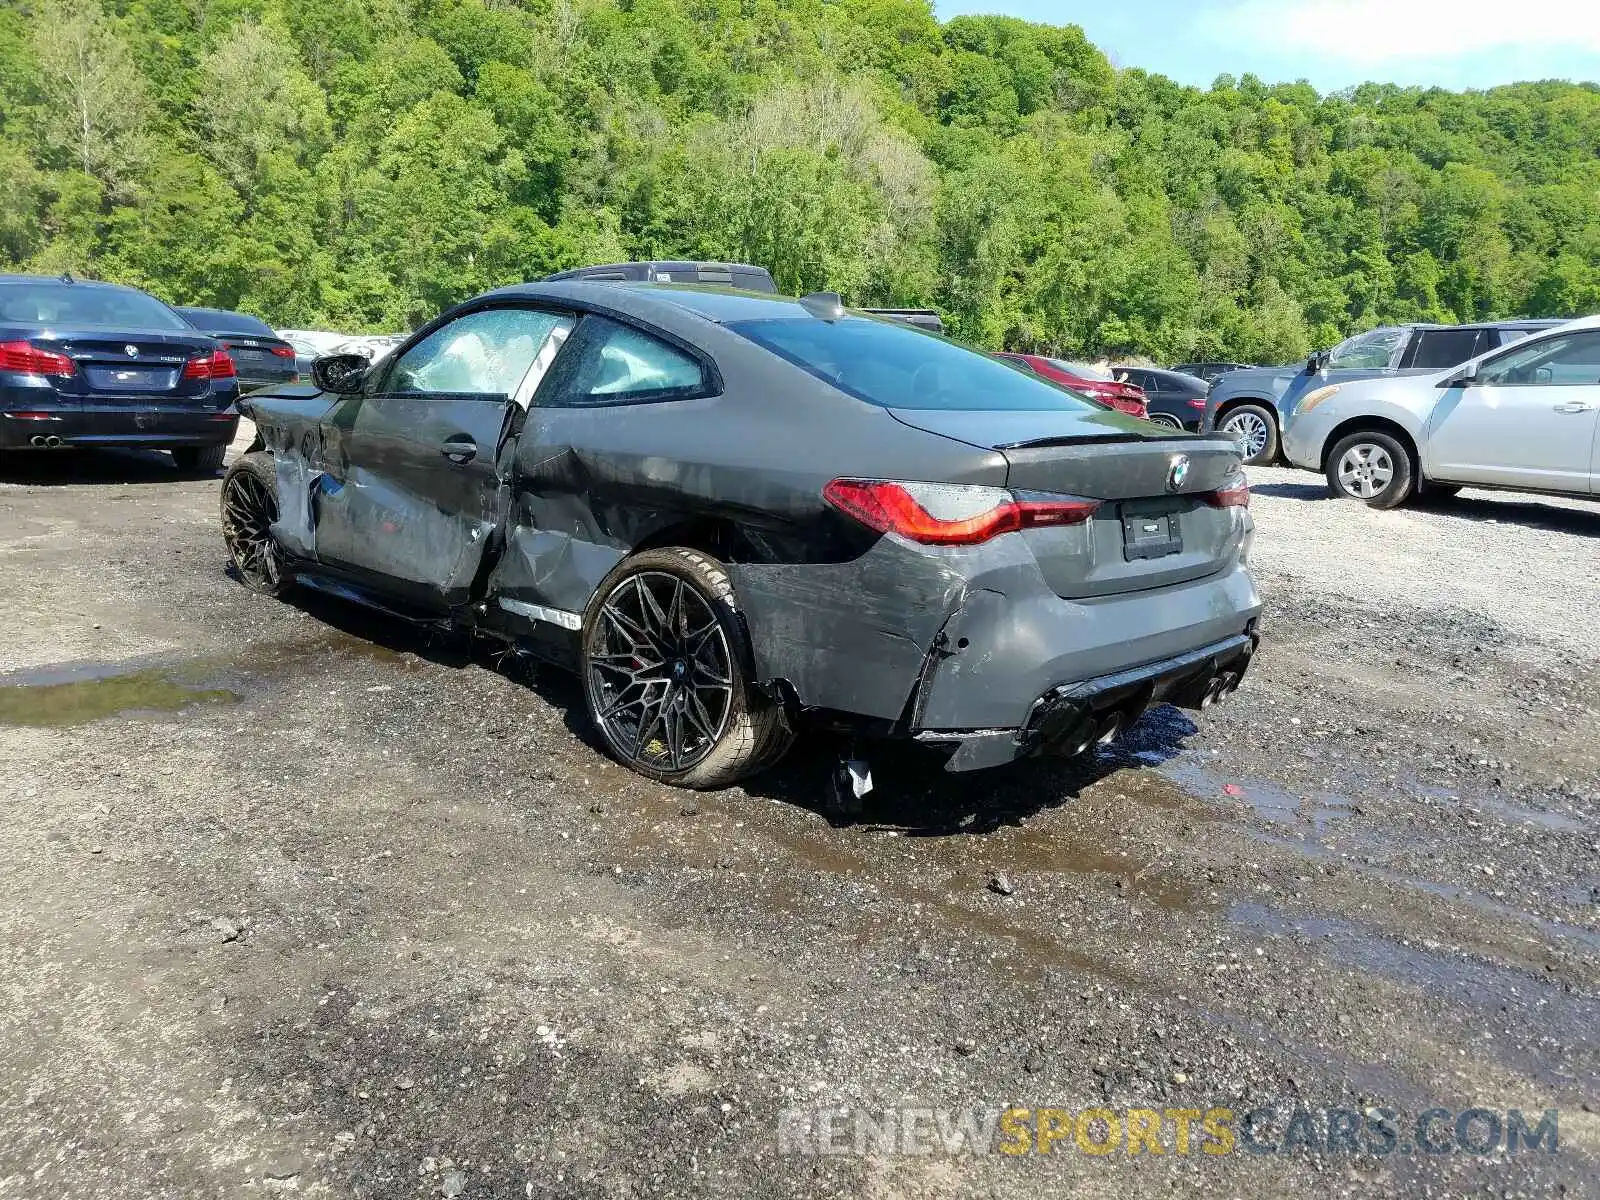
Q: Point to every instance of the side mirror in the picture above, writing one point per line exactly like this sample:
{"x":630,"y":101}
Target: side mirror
{"x":1316,"y":362}
{"x":1466,"y":379}
{"x":341,"y":373}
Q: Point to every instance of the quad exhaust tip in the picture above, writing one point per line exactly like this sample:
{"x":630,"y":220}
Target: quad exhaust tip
{"x":1223,"y":686}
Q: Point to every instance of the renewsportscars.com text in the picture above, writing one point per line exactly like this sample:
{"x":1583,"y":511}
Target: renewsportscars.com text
{"x":1263,"y":1129}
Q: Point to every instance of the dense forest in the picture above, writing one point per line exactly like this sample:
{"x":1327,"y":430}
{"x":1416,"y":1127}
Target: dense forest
{"x":359,"y":164}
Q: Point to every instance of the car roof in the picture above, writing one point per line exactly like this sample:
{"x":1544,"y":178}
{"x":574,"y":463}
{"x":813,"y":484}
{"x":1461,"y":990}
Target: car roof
{"x":717,"y":304}
{"x":100,"y":284}
{"x":1510,"y":323}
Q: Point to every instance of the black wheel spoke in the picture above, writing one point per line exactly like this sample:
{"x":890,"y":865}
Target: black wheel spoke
{"x":624,"y":702}
{"x":650,"y":609}
{"x":638,"y":637}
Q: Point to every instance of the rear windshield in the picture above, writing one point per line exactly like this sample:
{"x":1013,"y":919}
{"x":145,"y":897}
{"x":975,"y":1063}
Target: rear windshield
{"x":49,"y":303}
{"x":217,"y":321}
{"x":894,"y":365}
{"x":1084,"y":370}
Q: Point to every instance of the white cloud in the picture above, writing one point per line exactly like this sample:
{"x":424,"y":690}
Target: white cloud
{"x":1366,"y":33}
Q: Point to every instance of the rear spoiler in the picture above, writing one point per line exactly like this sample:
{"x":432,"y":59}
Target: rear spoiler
{"x":922,"y":318}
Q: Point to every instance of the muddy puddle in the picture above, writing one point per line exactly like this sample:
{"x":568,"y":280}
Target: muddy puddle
{"x":1318,"y":812}
{"x":1519,"y":999}
{"x":99,"y":692}
{"x":78,"y":693}
{"x":1502,"y":808}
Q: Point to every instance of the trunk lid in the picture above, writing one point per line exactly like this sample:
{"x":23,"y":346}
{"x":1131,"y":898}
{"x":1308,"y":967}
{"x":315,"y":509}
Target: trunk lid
{"x":141,"y":366}
{"x":1156,"y":526}
{"x":260,"y":357}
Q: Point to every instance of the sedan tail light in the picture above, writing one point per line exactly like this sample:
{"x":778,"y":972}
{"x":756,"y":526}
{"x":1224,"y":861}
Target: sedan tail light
{"x":939,"y":514}
{"x":1235,"y":495}
{"x":27,"y":359}
{"x":283,"y":351}
{"x":1196,"y":402}
{"x":216,"y":365}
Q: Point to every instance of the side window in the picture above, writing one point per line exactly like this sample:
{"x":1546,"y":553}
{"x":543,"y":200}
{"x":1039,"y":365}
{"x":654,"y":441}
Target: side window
{"x":614,"y":363}
{"x":1565,"y":361}
{"x":1437,"y":349}
{"x":485,"y":353}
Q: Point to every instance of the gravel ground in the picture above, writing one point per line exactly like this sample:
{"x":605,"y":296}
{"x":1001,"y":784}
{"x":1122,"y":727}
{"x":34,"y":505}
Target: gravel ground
{"x":293,"y":900}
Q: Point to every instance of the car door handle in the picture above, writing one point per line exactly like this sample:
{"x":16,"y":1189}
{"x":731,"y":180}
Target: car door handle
{"x":459,"y":450}
{"x":1574,"y":406}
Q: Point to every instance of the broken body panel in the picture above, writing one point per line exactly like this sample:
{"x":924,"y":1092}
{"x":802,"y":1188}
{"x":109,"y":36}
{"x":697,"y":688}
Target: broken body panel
{"x":953,"y":643}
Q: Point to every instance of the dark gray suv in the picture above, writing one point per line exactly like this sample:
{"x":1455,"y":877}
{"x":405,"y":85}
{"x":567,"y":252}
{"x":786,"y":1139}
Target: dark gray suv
{"x":1253,"y":405}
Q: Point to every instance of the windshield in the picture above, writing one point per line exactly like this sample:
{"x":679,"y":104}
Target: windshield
{"x":894,"y":365}
{"x":50,"y":303}
{"x":1366,"y":351}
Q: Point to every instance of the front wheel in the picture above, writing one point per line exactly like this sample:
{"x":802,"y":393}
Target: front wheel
{"x":1256,"y":431}
{"x":249,"y":509}
{"x":1373,"y":468}
{"x":666,"y":673}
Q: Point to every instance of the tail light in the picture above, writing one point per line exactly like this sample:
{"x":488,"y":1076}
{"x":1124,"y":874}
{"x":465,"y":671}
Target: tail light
{"x":283,"y":351}
{"x":1197,"y":402}
{"x":27,"y":359}
{"x":1235,"y":495}
{"x":216,"y":365}
{"x":938,"y":514}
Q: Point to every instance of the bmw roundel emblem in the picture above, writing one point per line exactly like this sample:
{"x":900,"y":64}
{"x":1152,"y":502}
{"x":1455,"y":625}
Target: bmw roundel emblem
{"x":131,"y":350}
{"x":1178,"y":472}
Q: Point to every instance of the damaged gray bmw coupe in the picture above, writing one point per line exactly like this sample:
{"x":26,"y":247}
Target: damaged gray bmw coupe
{"x":735,"y":514}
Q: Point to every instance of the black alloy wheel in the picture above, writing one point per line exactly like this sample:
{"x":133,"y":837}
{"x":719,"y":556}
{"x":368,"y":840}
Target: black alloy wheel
{"x":666,"y":676}
{"x":662,"y":672}
{"x":249,"y":508}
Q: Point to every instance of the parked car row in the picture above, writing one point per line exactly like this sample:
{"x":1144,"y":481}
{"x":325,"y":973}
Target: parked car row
{"x":1251,"y":404}
{"x":1524,"y":414}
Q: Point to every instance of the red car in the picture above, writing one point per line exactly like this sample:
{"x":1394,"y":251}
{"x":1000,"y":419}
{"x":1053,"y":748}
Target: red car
{"x":1124,"y":397}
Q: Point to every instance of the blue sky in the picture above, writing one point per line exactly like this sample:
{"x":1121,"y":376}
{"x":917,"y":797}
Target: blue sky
{"x":1332,"y":43}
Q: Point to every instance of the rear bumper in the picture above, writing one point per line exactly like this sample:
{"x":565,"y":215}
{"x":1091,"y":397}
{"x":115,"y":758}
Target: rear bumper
{"x":160,"y":428}
{"x":961,"y":646}
{"x":1071,"y":718}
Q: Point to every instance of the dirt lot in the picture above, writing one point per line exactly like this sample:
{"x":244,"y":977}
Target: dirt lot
{"x":293,"y":901}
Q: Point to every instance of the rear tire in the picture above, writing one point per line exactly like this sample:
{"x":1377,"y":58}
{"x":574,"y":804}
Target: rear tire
{"x":1256,"y":430}
{"x":1372,"y":467}
{"x":249,"y":507}
{"x":1163,"y":419}
{"x":667,"y":673}
{"x":199,"y":460}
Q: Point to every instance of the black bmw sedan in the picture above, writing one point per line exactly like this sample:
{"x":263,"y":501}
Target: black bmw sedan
{"x":735,"y":514}
{"x":260,"y":355}
{"x":96,"y":364}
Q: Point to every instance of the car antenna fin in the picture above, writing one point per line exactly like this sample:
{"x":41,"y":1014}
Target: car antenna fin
{"x":826,"y":305}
